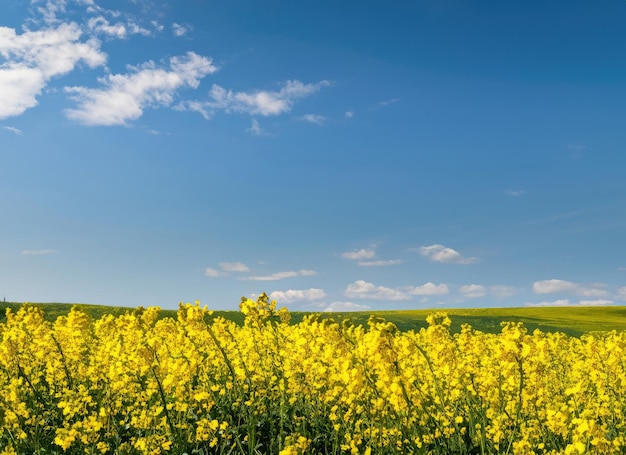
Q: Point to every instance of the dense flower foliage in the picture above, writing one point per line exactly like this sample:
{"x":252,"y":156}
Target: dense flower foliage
{"x":137,"y":384}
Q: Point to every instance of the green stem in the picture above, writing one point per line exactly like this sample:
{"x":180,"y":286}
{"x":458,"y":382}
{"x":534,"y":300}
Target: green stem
{"x":67,"y":371}
{"x":164,"y":401}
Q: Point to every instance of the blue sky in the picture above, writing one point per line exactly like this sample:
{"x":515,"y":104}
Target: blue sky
{"x":336,"y":155}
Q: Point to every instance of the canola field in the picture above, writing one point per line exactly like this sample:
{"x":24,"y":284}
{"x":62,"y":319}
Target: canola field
{"x":139,"y":384}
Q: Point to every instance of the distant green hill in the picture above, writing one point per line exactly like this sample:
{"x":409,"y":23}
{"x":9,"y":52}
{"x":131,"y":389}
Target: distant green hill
{"x":571,"y":320}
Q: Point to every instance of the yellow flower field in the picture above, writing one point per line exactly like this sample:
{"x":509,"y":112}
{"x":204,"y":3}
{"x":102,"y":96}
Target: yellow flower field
{"x":136,"y":384}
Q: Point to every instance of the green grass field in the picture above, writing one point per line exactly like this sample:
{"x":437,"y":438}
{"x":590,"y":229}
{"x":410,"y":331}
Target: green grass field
{"x":570,"y":320}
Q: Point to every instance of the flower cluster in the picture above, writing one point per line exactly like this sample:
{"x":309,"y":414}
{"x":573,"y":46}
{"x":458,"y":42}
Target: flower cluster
{"x":141,"y":384}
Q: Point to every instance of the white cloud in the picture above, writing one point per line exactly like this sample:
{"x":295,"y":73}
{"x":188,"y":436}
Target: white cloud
{"x":621,"y":294}
{"x":379,"y":263}
{"x":20,"y":86}
{"x":314,"y":118}
{"x":213,"y":273}
{"x":199,"y":107}
{"x":282,"y":275}
{"x":554,"y":286}
{"x":234,"y":267}
{"x":34,"y":57}
{"x":363,"y":290}
{"x":562,"y":302}
{"x":566,"y":302}
{"x":502,"y":291}
{"x":592,"y":291}
{"x":596,"y":302}
{"x":38,"y":252}
{"x":158,"y":27}
{"x":120,"y":30}
{"x":226,"y":268}
{"x":13,"y":130}
{"x":296,"y":295}
{"x":440,"y":253}
{"x":180,"y":29}
{"x":429,"y":289}
{"x":387,"y":102}
{"x":368,"y":253}
{"x":473,"y":290}
{"x":337,"y":307}
{"x":126,"y":96}
{"x":364,"y":253}
{"x":135,"y":29}
{"x":349,"y":114}
{"x":51,"y":9}
{"x":255,"y":129}
{"x":101,"y":25}
{"x":260,"y":102}
{"x":515,"y":193}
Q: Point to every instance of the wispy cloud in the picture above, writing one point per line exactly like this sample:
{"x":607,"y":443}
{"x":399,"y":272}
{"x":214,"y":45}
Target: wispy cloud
{"x":52,"y":10}
{"x":473,"y":291}
{"x":500,"y":290}
{"x":361,"y":289}
{"x":255,"y":129}
{"x":385,"y":103}
{"x":282,"y":275}
{"x":560,"y":302}
{"x":13,"y":130}
{"x":379,"y":263}
{"x":555,"y":286}
{"x":213,"y":273}
{"x":234,"y":267}
{"x":297,"y":295}
{"x":314,"y":118}
{"x":125,"y":96}
{"x":515,"y":193}
{"x":226,"y":268}
{"x":566,"y":302}
{"x":363,"y":253}
{"x":38,"y":252}
{"x":337,"y":307}
{"x":349,"y":114}
{"x":428,"y":289}
{"x":591,"y":294}
{"x":180,"y":29}
{"x":440,"y":253}
{"x":596,"y":302}
{"x":261,"y":102}
{"x":120,"y":30}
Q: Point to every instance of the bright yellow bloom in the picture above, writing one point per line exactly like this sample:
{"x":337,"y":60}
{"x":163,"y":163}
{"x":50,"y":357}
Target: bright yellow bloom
{"x":139,"y":383}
